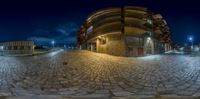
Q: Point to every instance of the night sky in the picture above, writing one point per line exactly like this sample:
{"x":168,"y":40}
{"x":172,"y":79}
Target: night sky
{"x":43,"y":21}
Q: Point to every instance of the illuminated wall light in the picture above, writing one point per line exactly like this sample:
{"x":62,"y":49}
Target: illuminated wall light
{"x":99,"y":37}
{"x":148,"y":39}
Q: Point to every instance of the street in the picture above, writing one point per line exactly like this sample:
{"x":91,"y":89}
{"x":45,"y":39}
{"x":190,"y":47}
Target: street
{"x":88,"y":74}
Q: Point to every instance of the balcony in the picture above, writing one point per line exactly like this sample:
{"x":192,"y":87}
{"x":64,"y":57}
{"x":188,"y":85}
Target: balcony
{"x":104,"y":15}
{"x":138,"y":23}
{"x":135,"y":14}
{"x":105,"y":29}
{"x":107,"y":21}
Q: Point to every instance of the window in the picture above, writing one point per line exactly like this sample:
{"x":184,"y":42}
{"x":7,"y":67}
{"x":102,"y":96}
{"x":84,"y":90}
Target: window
{"x":149,"y":21}
{"x":21,"y":47}
{"x":28,"y":47}
{"x":15,"y":47}
{"x":9,"y":48}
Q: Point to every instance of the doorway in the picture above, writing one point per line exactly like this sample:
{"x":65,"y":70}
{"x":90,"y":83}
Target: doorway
{"x":149,"y":46}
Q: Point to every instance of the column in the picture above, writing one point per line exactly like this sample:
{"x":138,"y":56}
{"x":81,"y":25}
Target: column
{"x":97,"y":45}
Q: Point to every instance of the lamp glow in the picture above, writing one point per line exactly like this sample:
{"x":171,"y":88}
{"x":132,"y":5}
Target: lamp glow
{"x":53,"y":42}
{"x":190,"y":38}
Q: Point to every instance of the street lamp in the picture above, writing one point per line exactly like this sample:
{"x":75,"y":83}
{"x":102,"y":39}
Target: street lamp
{"x":53,"y":42}
{"x":191,"y":40}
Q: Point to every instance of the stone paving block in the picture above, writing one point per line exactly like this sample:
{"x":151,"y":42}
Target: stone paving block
{"x":89,"y":74}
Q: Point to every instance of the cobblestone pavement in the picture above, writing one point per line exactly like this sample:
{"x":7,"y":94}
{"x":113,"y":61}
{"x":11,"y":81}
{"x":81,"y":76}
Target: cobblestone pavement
{"x":89,"y":74}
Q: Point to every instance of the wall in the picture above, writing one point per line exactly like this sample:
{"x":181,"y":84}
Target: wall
{"x":134,"y":46}
{"x":18,"y":47}
{"x":115,"y":45}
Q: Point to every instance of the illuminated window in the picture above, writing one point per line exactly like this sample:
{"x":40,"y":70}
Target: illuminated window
{"x":149,"y":21}
{"x":149,"y":42}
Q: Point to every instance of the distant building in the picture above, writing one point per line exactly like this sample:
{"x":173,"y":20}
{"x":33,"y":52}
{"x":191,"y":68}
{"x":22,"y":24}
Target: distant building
{"x":126,"y":31}
{"x":18,"y":47}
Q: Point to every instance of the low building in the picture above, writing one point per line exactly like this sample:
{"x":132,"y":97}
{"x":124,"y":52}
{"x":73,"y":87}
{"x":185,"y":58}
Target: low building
{"x":18,"y":47}
{"x":125,"y":31}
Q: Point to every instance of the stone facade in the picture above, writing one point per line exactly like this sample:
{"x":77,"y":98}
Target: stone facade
{"x":126,"y":31}
{"x":115,"y":45}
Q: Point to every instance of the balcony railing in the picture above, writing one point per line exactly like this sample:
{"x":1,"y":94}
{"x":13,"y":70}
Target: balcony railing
{"x":138,"y":25}
{"x":107,"y":21}
{"x":104,"y":16}
{"x":135,"y":15}
{"x":105,"y":29}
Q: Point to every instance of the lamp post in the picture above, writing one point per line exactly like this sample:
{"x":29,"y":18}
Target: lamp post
{"x":53,"y":42}
{"x":191,"y":40}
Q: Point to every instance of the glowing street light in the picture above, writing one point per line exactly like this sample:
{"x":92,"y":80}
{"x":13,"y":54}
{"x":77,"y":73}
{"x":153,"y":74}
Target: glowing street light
{"x":53,"y":42}
{"x":191,"y":40}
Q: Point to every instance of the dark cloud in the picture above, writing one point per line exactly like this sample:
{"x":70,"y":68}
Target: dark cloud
{"x":59,"y":19}
{"x":61,"y":34}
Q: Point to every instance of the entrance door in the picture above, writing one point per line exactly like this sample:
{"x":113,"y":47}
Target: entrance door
{"x":133,"y":51}
{"x":140,"y":51}
{"x":149,"y":46}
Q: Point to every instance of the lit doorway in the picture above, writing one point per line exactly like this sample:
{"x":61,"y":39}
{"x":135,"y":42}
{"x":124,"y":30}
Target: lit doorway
{"x":149,"y":46}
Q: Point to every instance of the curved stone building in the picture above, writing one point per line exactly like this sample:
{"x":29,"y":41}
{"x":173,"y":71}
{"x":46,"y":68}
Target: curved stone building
{"x":16,"y":48}
{"x":125,"y":31}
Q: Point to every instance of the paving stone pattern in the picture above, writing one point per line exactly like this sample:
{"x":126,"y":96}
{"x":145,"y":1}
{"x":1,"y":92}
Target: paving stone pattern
{"x":88,"y":74}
